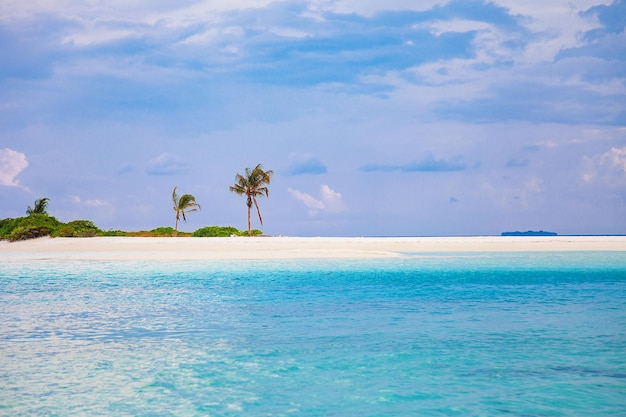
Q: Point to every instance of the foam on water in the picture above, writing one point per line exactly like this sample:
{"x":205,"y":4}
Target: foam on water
{"x":426,"y":334}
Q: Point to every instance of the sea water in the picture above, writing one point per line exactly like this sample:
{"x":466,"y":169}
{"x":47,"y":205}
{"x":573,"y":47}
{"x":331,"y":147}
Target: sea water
{"x":485,"y":334}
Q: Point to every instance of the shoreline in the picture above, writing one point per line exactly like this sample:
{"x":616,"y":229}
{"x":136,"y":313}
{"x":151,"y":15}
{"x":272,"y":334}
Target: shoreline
{"x":269,"y":248}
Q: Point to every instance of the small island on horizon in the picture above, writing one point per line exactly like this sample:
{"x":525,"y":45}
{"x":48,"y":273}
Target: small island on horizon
{"x":529,"y":233}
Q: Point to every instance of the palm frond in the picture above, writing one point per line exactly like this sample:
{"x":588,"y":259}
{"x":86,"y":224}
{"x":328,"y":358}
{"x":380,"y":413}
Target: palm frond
{"x":175,"y":197}
{"x":39,"y":207}
{"x":186,"y":203}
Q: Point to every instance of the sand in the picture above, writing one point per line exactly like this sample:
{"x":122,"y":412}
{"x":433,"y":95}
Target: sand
{"x":234,"y":248}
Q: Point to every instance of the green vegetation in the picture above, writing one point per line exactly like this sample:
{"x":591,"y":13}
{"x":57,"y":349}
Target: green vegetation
{"x":221,"y":231}
{"x":158,"y":232}
{"x":253,"y":184}
{"x":40,"y":225}
{"x":76,"y":228}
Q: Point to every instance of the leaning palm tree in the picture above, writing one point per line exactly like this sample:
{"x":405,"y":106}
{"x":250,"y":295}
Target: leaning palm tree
{"x":39,"y":207}
{"x":253,"y":184}
{"x":186,"y":203}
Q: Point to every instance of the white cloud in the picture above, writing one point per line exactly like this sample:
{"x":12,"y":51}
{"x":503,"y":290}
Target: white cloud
{"x":289,"y":33}
{"x":11,"y":164}
{"x":615,"y":159}
{"x":609,"y":167}
{"x":371,"y":7}
{"x":88,"y":203}
{"x":439,"y":27}
{"x":214,"y":34}
{"x":98,"y":36}
{"x":314,"y":205}
{"x":559,"y":21}
{"x":329,"y":200}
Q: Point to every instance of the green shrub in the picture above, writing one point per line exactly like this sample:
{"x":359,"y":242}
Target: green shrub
{"x":28,"y":232}
{"x":35,"y":225}
{"x":64,"y":231}
{"x":40,"y":220}
{"x":82,"y":224}
{"x":6,"y":227}
{"x":223,"y":231}
{"x":111,"y":232}
{"x":76,"y":228}
{"x":216,"y":231}
{"x":163,"y":231}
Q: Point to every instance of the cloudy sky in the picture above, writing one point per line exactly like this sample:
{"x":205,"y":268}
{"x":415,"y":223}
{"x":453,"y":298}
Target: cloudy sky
{"x":394,"y":117}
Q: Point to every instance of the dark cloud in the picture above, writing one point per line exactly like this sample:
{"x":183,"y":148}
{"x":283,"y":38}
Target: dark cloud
{"x":166,"y":164}
{"x":480,"y":11}
{"x":602,"y":56}
{"x":427,"y":164}
{"x":305,"y":164}
{"x":31,"y":48}
{"x":127,"y":169}
{"x":341,"y":48}
{"x":612,"y":18}
{"x":532,"y":148}
{"x":537,"y":102}
{"x":517,"y":163}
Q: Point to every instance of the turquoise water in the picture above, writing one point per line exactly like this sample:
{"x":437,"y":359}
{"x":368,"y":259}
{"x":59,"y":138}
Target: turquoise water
{"x":527,"y":334}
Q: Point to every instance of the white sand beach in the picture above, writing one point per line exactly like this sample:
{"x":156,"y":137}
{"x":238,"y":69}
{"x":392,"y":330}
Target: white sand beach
{"x":190,"y":248}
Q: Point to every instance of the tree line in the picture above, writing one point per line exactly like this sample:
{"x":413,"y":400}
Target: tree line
{"x":252,"y":184}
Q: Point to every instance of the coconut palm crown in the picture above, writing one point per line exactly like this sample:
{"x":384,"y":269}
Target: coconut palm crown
{"x":186,"y":203}
{"x":39,"y":207}
{"x":253,"y":184}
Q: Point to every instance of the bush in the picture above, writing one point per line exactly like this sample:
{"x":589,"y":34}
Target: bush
{"x":223,"y":231}
{"x":158,"y":232}
{"x":163,"y":231}
{"x":111,"y":232}
{"x":37,"y":220}
{"x":35,"y":225}
{"x":217,"y":231}
{"x":29,"y":232}
{"x":76,"y":228}
{"x":6,"y":227}
{"x":38,"y":225}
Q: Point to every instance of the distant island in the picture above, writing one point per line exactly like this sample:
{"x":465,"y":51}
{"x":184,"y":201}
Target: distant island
{"x":529,"y":233}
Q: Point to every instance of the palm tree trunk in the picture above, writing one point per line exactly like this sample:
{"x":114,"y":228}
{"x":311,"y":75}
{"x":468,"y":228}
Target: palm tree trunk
{"x":258,"y":211}
{"x":249,"y":229}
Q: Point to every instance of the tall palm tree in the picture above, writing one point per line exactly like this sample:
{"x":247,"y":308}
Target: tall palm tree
{"x":253,"y":184}
{"x":39,"y":207}
{"x":186,"y":203}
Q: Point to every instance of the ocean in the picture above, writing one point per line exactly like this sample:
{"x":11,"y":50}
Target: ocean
{"x":425,"y":334}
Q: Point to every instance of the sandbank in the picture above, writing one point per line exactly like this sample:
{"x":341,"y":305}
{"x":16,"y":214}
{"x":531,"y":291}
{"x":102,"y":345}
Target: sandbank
{"x":234,"y":248}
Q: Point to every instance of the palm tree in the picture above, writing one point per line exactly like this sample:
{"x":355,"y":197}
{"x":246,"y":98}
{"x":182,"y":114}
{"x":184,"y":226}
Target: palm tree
{"x":253,"y":184}
{"x":39,"y":207}
{"x":186,"y":203}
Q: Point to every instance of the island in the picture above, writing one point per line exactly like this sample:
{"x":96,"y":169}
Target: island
{"x":529,"y":233}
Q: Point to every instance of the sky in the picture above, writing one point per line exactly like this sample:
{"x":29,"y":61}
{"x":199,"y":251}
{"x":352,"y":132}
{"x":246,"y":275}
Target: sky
{"x":378,"y":118}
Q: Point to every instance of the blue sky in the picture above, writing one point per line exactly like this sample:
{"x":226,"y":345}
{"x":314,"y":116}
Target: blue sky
{"x":390,"y":117}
